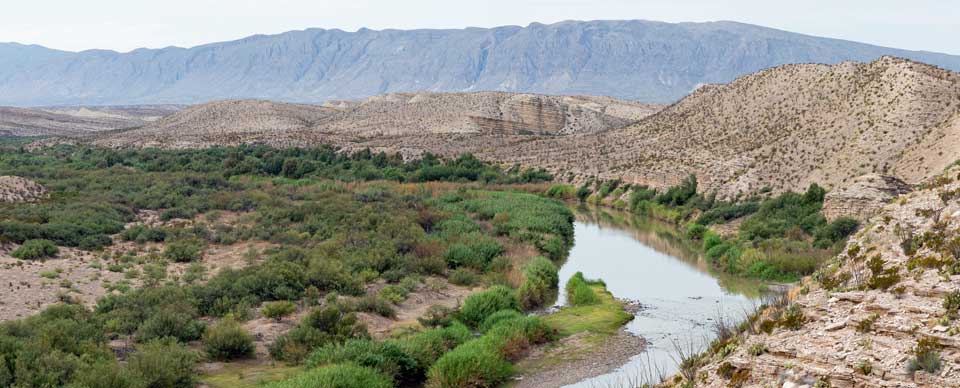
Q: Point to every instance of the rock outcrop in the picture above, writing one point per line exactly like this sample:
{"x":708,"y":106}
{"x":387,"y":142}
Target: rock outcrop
{"x":863,"y":197}
{"x":17,"y":189}
{"x":864,"y":317}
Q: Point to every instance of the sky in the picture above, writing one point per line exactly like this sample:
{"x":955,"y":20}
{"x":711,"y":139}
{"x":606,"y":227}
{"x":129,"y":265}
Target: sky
{"x":124,"y":25}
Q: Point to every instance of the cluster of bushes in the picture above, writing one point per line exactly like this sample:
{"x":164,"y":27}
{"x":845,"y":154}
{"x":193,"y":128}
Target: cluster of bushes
{"x":63,"y":346}
{"x":36,"y":249}
{"x":320,"y":327}
{"x":404,"y":361}
{"x":487,"y":361}
{"x":782,"y":237}
{"x":528,"y":218}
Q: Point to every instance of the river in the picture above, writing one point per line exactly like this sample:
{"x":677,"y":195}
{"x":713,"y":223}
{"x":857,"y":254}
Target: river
{"x":644,"y":260}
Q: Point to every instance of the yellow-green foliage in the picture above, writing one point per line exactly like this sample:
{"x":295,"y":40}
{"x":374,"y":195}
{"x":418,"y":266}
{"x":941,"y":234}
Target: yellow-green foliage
{"x":580,"y":292}
{"x":604,"y":318}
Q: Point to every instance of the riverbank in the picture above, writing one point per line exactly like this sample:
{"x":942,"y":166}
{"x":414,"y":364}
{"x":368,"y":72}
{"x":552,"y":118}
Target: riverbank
{"x":593,"y":342}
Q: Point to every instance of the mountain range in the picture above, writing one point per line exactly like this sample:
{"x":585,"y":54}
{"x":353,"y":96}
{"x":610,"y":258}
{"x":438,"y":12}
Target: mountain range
{"x":637,"y":60}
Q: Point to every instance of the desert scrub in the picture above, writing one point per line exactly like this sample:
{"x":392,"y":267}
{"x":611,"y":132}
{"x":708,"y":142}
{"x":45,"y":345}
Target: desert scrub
{"x":183,"y":251}
{"x":866,"y":325}
{"x":926,"y":356}
{"x":36,"y":249}
{"x":757,"y":349}
{"x":881,"y":278}
{"x":227,"y":340}
{"x":339,"y":376}
{"x":319,"y":327}
{"x":951,"y":303}
{"x":479,"y":306}
{"x":580,"y":291}
{"x":278,"y":310}
{"x":792,"y":318}
{"x":436,"y":316}
{"x":464,"y":277}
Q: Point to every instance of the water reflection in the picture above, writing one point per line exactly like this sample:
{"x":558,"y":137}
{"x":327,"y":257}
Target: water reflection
{"x":647,"y":261}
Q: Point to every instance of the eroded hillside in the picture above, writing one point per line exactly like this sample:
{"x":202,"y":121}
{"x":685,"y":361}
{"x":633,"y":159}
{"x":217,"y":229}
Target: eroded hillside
{"x":76,"y":121}
{"x":782,"y":128}
{"x":409,"y":116}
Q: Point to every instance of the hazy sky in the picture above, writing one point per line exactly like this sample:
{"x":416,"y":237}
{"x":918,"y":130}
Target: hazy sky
{"x":128,"y":24}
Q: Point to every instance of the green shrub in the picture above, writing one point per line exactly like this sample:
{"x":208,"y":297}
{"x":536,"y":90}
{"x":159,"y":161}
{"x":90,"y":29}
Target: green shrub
{"x":104,"y":373}
{"x":579,"y":292}
{"x":497,"y":317}
{"x":727,"y":212}
{"x":386,"y":357}
{"x":377,"y":305}
{"x":227,"y":340}
{"x":926,"y":356}
{"x":436,"y":316}
{"x":464,"y":277}
{"x":696,"y":231}
{"x":881,"y":278}
{"x":474,"y":364}
{"x":486,"y":362}
{"x":792,"y":318}
{"x":336,"y":376}
{"x":561,"y":191}
{"x":951,"y":303}
{"x":36,"y":249}
{"x":478,"y":306}
{"x":583,"y":192}
{"x":711,"y":240}
{"x":429,"y":345}
{"x":164,"y":364}
{"x":476,"y":254}
{"x":541,"y":278}
{"x":278,"y":310}
{"x":394,"y":293}
{"x":319,"y":327}
{"x":170,"y":322}
{"x":183,"y":251}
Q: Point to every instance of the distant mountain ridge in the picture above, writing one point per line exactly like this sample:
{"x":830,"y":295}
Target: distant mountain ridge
{"x":639,"y":60}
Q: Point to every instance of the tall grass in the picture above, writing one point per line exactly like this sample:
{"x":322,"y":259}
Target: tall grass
{"x":579,"y":292}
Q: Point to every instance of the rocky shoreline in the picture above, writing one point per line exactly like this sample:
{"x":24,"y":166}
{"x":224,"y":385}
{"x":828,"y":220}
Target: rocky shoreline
{"x":581,"y":359}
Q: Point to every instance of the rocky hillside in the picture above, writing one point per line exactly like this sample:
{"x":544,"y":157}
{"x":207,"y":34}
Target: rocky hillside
{"x":405,"y":116}
{"x":883,"y":314}
{"x":17,"y":189}
{"x":781,"y":128}
{"x":641,"y":60}
{"x":74,"y":121}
